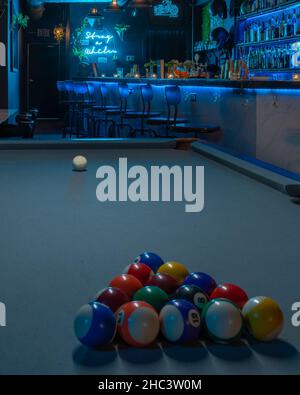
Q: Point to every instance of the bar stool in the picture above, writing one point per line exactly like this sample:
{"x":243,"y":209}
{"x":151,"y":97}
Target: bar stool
{"x":195,"y":128}
{"x":83,"y":104}
{"x":99,"y":111}
{"x":65,"y":92}
{"x":116,"y":116}
{"x":147,"y":97}
{"x":173,"y":99}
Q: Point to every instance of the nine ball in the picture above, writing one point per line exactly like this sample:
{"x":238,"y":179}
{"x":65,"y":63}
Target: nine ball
{"x":263,"y":317}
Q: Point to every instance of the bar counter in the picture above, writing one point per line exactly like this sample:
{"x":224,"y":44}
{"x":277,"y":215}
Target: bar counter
{"x":246,"y":84}
{"x":259,"y":119}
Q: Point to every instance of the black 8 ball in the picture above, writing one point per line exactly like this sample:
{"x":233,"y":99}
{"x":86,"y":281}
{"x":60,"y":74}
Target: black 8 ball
{"x":192,"y":294}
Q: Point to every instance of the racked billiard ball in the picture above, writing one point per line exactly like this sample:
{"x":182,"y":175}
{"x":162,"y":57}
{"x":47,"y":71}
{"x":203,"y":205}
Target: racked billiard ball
{"x":139,"y":270}
{"x":163,"y":281}
{"x":150,"y":259}
{"x":95,"y":325}
{"x":127,"y":283}
{"x":180,"y":321}
{"x":112,"y":297}
{"x":193,"y":294}
{"x":263,"y":317}
{"x":155,"y":296}
{"x":138,"y":323}
{"x":174,"y":269}
{"x":222,"y":320}
{"x":202,"y":280}
{"x":231,"y":292}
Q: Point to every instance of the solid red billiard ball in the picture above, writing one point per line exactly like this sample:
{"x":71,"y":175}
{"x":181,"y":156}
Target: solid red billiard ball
{"x":138,"y":323}
{"x":127,"y":283}
{"x":112,"y":297}
{"x":165,"y":282}
{"x":139,"y":270}
{"x":231,"y":292}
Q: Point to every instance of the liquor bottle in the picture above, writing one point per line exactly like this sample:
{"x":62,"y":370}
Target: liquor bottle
{"x":247,"y":34}
{"x":262,"y":32}
{"x":276,"y":28}
{"x":269,"y":30}
{"x":252,"y":33}
{"x":282,"y":27}
{"x":287,"y":58}
{"x":289,"y":26}
{"x":258,"y":32}
{"x":294,"y":23}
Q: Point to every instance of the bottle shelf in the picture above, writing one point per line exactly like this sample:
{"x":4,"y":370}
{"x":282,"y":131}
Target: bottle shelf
{"x":286,"y":70}
{"x":268,"y":42}
{"x":266,"y":11}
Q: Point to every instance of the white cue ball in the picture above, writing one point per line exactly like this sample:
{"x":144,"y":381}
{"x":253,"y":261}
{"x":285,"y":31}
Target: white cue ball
{"x":79,"y":163}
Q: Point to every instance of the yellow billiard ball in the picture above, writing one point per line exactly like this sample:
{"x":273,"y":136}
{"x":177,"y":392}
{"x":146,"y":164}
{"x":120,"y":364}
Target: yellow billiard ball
{"x":174,"y":269}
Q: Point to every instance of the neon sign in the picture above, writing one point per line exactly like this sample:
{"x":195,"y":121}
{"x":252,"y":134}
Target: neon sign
{"x":98,"y":43}
{"x":296,"y":55}
{"x":167,"y":9}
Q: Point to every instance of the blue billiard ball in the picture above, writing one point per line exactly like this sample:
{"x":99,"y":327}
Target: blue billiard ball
{"x":150,"y":259}
{"x":95,"y":325}
{"x":180,"y":321}
{"x":202,"y":280}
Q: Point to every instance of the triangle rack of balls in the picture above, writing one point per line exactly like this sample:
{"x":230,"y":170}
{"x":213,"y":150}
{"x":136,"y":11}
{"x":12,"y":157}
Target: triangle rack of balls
{"x":152,"y":297}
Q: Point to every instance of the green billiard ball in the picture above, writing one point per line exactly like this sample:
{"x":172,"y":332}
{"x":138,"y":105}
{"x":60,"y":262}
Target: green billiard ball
{"x":153,"y":295}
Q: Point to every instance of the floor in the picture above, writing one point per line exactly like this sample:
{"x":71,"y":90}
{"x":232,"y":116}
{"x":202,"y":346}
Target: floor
{"x":55,"y":256}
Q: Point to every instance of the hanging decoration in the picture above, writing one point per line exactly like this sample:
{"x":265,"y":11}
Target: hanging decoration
{"x":19,"y":21}
{"x":76,"y":42}
{"x":166,"y":8}
{"x":58,"y":33}
{"x":121,"y":28}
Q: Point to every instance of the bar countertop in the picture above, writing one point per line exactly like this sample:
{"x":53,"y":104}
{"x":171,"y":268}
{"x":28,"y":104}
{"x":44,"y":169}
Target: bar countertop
{"x":246,"y":84}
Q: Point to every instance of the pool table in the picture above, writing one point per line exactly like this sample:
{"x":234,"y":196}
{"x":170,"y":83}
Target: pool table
{"x":59,"y":246}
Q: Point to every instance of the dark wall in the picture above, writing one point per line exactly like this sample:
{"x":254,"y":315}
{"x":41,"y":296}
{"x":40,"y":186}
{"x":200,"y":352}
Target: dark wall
{"x":46,"y":60}
{"x":148,"y":36}
{"x":9,"y":76}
